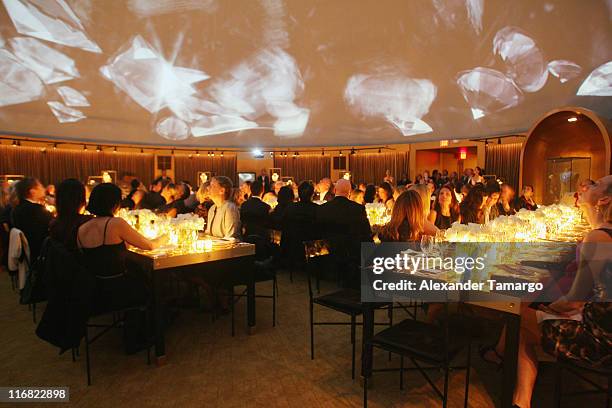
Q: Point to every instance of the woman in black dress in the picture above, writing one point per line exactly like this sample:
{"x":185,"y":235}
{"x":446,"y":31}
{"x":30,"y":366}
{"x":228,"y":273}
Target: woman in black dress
{"x":103,"y":241}
{"x":446,"y":209}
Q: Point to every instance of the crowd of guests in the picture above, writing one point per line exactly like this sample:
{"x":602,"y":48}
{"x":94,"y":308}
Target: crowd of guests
{"x":336,"y":212}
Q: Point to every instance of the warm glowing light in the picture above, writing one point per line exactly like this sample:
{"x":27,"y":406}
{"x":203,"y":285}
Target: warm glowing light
{"x":572,"y":119}
{"x":463,"y":153}
{"x":443,"y":143}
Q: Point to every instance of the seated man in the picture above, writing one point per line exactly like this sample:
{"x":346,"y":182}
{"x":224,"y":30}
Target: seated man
{"x":254,"y":213}
{"x":346,"y":225}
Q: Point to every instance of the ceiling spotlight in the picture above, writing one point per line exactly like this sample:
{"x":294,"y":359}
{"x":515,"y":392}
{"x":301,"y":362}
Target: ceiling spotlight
{"x":271,"y":154}
{"x":379,"y":150}
{"x":486,"y":142}
{"x":43,"y":150}
{"x":340,"y":152}
{"x":141,"y":150}
{"x":115,"y":149}
{"x":197,"y":153}
{"x":212,"y":154}
{"x":443,"y":143}
{"x":190,"y":156}
{"x":499,"y":140}
{"x":84,"y":147}
{"x":172,"y":152}
{"x":353,"y":150}
{"x":572,"y":119}
{"x":98,"y":148}
{"x":322,"y":152}
{"x":221,"y":154}
{"x":14,"y":143}
{"x":54,"y":146}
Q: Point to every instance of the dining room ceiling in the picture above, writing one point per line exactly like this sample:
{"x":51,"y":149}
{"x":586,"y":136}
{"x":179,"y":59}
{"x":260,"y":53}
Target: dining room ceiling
{"x":276,"y":73}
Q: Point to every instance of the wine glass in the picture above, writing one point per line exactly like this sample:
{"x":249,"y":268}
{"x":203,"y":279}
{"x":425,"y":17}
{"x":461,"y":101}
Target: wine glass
{"x":427,"y":244}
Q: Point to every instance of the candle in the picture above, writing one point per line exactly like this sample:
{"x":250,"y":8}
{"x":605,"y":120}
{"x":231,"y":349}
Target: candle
{"x":208,"y":245}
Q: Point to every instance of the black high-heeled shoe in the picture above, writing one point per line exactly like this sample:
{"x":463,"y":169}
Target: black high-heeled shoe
{"x":483,"y":350}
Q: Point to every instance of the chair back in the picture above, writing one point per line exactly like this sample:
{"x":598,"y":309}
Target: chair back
{"x":317,"y":254}
{"x":262,"y":246}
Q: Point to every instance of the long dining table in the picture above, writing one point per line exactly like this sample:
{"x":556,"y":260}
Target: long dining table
{"x":508,"y":306}
{"x":232,"y":264}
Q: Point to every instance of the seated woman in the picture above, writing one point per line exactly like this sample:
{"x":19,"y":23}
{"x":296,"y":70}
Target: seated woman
{"x":490,"y":210}
{"x":588,"y":339}
{"x":70,"y":204}
{"x":505,"y":206}
{"x":369,"y":194}
{"x":471,"y":206}
{"x":526,"y":200}
{"x":223,"y":216}
{"x":476,"y":177}
{"x":204,"y":200}
{"x":102,"y":241}
{"x":446,"y":209}
{"x":171,"y":194}
{"x":407,"y":220}
{"x":428,"y":227}
{"x":385,"y":195}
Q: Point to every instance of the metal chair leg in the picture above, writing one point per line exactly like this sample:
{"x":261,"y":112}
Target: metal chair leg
{"x":274,"y":294}
{"x":401,"y":372}
{"x":353,"y":344}
{"x":87,"y":356}
{"x":365,"y":391}
{"x":467,"y":374}
{"x":445,"y":395}
{"x":311,"y":333}
{"x":558,"y":375}
{"x":232,"y":311}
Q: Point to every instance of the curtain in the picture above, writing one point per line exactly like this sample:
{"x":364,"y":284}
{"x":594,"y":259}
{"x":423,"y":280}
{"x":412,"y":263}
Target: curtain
{"x":305,"y":167}
{"x":187,"y":168}
{"x":370,"y":168}
{"x":503,"y":160}
{"x":53,"y":166}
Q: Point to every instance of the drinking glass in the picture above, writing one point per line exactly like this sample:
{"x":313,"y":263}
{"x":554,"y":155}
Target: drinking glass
{"x":427,"y":244}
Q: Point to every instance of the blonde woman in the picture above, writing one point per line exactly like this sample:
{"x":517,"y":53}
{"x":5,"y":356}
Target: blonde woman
{"x":423,"y":191}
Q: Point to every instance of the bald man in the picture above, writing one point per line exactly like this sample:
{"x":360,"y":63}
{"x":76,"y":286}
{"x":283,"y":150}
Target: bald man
{"x":345,"y":224}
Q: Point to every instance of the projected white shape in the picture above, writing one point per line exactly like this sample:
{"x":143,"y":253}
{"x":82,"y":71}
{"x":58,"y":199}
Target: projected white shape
{"x":151,"y":81}
{"x":64,"y":114}
{"x":50,"y":20}
{"x":564,"y":70}
{"x":172,"y":128}
{"x":454,"y":12}
{"x":487,"y":90}
{"x":219,"y":124}
{"x":524,"y":60}
{"x":148,"y":8}
{"x":598,"y":83}
{"x":275,"y":31}
{"x":400,"y":100}
{"x":269,"y":82}
{"x":18,"y":84}
{"x":49,"y":64}
{"x":72,"y":97}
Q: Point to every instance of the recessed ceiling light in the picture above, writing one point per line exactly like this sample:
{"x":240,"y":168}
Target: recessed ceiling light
{"x":572,"y":119}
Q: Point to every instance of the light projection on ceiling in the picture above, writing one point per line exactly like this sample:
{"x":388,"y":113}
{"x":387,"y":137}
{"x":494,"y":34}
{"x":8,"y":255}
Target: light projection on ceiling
{"x":400,"y":100}
{"x":289,"y":73}
{"x":50,"y":20}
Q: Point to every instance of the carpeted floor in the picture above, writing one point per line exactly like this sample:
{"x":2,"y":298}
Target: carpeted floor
{"x":206,"y":367}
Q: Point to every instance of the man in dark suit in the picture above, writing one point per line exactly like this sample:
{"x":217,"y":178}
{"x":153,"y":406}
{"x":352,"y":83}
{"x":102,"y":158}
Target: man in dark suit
{"x":31,"y":217}
{"x":254,"y":213}
{"x":298,"y":224}
{"x":265,"y":180}
{"x":325,"y":191}
{"x":345,"y":224}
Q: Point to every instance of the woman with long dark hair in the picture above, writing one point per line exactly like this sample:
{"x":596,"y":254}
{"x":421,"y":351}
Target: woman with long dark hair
{"x":385,"y":195}
{"x":369,"y":195}
{"x":70,"y":204}
{"x":470,"y":208}
{"x":526,"y":201}
{"x":446,"y":209}
{"x":407,"y":220}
